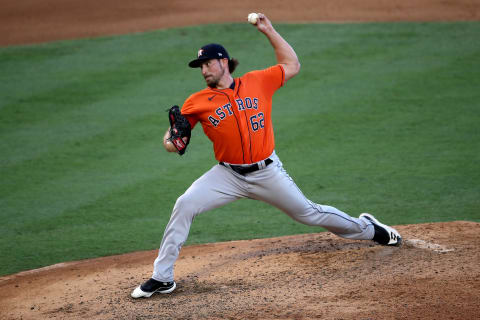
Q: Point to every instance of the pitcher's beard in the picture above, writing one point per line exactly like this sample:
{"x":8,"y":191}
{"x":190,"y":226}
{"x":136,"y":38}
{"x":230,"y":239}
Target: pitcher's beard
{"x":213,"y":81}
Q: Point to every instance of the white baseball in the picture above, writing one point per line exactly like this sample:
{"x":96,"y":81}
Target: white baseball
{"x":252,"y":18}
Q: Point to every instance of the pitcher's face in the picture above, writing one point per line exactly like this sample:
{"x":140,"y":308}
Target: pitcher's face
{"x":212,"y":71}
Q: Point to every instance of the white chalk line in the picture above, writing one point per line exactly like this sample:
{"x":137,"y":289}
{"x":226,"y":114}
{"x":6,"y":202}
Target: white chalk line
{"x":422,"y":244}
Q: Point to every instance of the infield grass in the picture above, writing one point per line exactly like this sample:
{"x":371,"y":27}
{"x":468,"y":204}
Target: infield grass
{"x":383,"y":118}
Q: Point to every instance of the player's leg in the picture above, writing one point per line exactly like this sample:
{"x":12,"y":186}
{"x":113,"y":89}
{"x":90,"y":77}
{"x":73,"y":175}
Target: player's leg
{"x":274,"y":186}
{"x":215,"y":188}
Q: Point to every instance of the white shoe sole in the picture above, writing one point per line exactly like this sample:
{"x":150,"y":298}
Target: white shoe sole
{"x":139,"y":293}
{"x":395,"y":237}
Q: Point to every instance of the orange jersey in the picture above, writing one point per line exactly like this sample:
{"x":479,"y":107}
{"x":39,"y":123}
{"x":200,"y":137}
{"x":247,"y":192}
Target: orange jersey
{"x":238,"y":121}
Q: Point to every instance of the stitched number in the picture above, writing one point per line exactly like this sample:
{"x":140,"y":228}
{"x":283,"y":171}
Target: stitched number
{"x":254,"y":123}
{"x":261,"y":121}
{"x":257,"y":121}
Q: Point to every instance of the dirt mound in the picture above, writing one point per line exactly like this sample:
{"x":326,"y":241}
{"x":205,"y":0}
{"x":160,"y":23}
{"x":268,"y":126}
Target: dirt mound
{"x":434,"y":275}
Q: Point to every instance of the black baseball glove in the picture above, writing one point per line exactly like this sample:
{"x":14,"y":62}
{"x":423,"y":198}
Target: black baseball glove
{"x":180,"y":129}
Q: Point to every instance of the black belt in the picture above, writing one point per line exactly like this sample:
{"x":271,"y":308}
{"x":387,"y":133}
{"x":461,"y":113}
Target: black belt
{"x":243,"y":170}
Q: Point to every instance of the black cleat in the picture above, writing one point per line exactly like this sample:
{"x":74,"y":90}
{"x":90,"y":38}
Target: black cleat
{"x":384,"y":234}
{"x":151,"y":286}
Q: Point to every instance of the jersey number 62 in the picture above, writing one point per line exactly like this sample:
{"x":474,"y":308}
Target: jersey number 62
{"x":257,"y":121}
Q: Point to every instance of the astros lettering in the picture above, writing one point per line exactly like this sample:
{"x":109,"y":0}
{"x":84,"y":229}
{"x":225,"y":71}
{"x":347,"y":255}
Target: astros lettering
{"x":226,"y":110}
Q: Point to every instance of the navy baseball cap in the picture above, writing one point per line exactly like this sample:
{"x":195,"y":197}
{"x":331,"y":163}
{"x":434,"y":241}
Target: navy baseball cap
{"x":210,"y":51}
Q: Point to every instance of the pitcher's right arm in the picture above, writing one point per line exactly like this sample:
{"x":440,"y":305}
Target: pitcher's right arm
{"x":284,"y":53}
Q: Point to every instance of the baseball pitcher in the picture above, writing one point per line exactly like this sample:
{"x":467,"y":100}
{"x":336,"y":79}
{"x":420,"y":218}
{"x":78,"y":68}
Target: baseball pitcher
{"x":235,"y":114}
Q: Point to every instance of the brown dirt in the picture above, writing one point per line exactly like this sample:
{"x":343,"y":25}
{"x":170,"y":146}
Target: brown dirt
{"x":33,"y":21}
{"x":434,"y":275}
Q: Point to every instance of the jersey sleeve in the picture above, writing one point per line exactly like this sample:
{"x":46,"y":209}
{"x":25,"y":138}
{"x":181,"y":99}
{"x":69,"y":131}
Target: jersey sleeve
{"x":188,"y":112}
{"x":272,"y":78}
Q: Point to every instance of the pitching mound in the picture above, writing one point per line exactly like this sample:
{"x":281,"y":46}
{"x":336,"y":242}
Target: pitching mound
{"x":434,"y":275}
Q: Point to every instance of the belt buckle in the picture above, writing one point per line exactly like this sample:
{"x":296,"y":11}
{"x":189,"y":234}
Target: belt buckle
{"x":243,"y":170}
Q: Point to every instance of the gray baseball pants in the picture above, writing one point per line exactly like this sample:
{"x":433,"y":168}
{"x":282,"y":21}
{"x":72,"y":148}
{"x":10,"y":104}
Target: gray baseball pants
{"x":221,"y":185}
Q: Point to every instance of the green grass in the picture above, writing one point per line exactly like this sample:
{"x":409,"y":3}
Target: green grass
{"x":383,"y":118}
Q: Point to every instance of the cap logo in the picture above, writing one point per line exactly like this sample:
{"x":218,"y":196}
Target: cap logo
{"x":200,"y":52}
{"x":220,"y":54}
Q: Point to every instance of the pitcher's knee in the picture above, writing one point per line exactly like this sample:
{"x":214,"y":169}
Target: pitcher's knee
{"x":185,"y":206}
